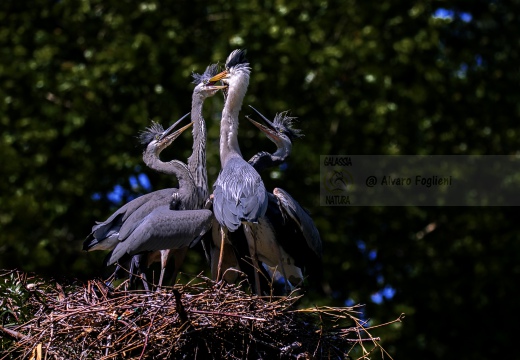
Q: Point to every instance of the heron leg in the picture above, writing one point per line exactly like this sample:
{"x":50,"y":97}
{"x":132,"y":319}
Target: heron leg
{"x":161,"y":278}
{"x":213,"y":247}
{"x":214,"y":235}
{"x":221,"y":256}
{"x":137,"y":265}
{"x":145,"y":281}
{"x":165,"y":256}
{"x":178,"y":260}
{"x":113,"y":277}
{"x":137,"y":270}
{"x":251,"y":240}
{"x":284,"y":274}
{"x":134,"y":269}
{"x":209,"y":202}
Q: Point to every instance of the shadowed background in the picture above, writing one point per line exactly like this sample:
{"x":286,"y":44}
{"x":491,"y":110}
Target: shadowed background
{"x":79,"y":79}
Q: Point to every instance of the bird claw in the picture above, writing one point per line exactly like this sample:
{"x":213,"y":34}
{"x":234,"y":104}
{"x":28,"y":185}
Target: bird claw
{"x":174,"y":202}
{"x":209,"y":202}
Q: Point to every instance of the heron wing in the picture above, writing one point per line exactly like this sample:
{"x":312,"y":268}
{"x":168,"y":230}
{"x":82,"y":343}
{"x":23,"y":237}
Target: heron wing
{"x":239,"y":195}
{"x":104,"y":234}
{"x":290,"y":207}
{"x":138,"y":215}
{"x":224,"y":213}
{"x":164,"y":229}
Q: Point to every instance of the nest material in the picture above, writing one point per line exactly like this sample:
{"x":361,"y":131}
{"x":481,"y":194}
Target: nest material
{"x":198,"y":320}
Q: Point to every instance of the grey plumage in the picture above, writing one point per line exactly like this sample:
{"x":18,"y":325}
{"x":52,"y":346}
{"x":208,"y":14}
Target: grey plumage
{"x":282,"y":124}
{"x":128,"y":230}
{"x":236,"y":59}
{"x":112,"y":232}
{"x":287,"y":223}
{"x":105,"y":235}
{"x":163,"y":229}
{"x":239,"y":192}
{"x":203,"y":79}
{"x":287,"y":238}
{"x":147,"y":223}
{"x":281,"y":132}
{"x":290,"y":208}
{"x":153,"y":132}
{"x":240,"y":195}
{"x":197,"y":160}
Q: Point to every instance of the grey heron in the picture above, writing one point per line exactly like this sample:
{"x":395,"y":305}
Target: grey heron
{"x":239,"y":192}
{"x":196,"y":163}
{"x":281,"y":132}
{"x":287,"y":222}
{"x":164,"y":228}
{"x":158,"y":228}
{"x":104,"y":235}
{"x":287,"y":238}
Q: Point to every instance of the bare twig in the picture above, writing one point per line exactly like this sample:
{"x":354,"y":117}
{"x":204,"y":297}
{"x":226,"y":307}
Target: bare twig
{"x":14,"y":334}
{"x":217,"y":313}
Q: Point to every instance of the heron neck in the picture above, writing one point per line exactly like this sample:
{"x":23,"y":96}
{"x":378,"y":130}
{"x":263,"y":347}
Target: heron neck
{"x":174,"y":167}
{"x":281,"y":153}
{"x":197,"y":160}
{"x":229,"y":124}
{"x":264,"y":160}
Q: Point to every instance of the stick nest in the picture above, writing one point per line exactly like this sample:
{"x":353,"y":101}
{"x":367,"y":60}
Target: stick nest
{"x":198,"y":320}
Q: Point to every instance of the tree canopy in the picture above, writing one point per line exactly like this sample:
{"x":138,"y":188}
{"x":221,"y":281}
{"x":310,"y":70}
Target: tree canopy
{"x":80,"y":78}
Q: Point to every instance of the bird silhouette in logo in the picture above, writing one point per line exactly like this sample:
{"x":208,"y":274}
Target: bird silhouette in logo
{"x":338,"y":181}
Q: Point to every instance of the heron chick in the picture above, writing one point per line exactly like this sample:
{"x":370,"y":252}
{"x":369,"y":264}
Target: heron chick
{"x":147,"y":224}
{"x":239,"y":192}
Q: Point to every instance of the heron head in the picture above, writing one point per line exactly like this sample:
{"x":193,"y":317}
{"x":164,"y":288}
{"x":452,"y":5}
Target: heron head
{"x":284,"y":124}
{"x":236,"y":65}
{"x":279,"y":131}
{"x":155,"y":135}
{"x":203,"y":82}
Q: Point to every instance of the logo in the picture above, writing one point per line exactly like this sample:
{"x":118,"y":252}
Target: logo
{"x":337,"y":180}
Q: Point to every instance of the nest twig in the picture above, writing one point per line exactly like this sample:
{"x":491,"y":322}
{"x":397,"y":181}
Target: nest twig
{"x":201,"y":319}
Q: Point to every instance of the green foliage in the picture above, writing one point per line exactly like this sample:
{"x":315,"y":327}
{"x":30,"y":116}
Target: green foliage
{"x":14,"y":296}
{"x":13,"y":304}
{"x":79,"y":79}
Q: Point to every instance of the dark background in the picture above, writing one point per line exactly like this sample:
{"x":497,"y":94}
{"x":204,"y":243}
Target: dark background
{"x":79,"y":79}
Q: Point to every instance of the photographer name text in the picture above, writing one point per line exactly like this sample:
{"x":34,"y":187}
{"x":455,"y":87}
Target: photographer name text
{"x":419,"y":180}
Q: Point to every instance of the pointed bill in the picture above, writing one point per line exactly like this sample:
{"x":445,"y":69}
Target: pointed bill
{"x":218,"y":77}
{"x":270,"y":133}
{"x":215,"y":87}
{"x":167,"y":131}
{"x":176,"y":134}
{"x":268,"y":122}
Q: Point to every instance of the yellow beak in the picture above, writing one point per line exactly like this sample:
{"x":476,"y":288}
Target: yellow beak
{"x":218,"y":77}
